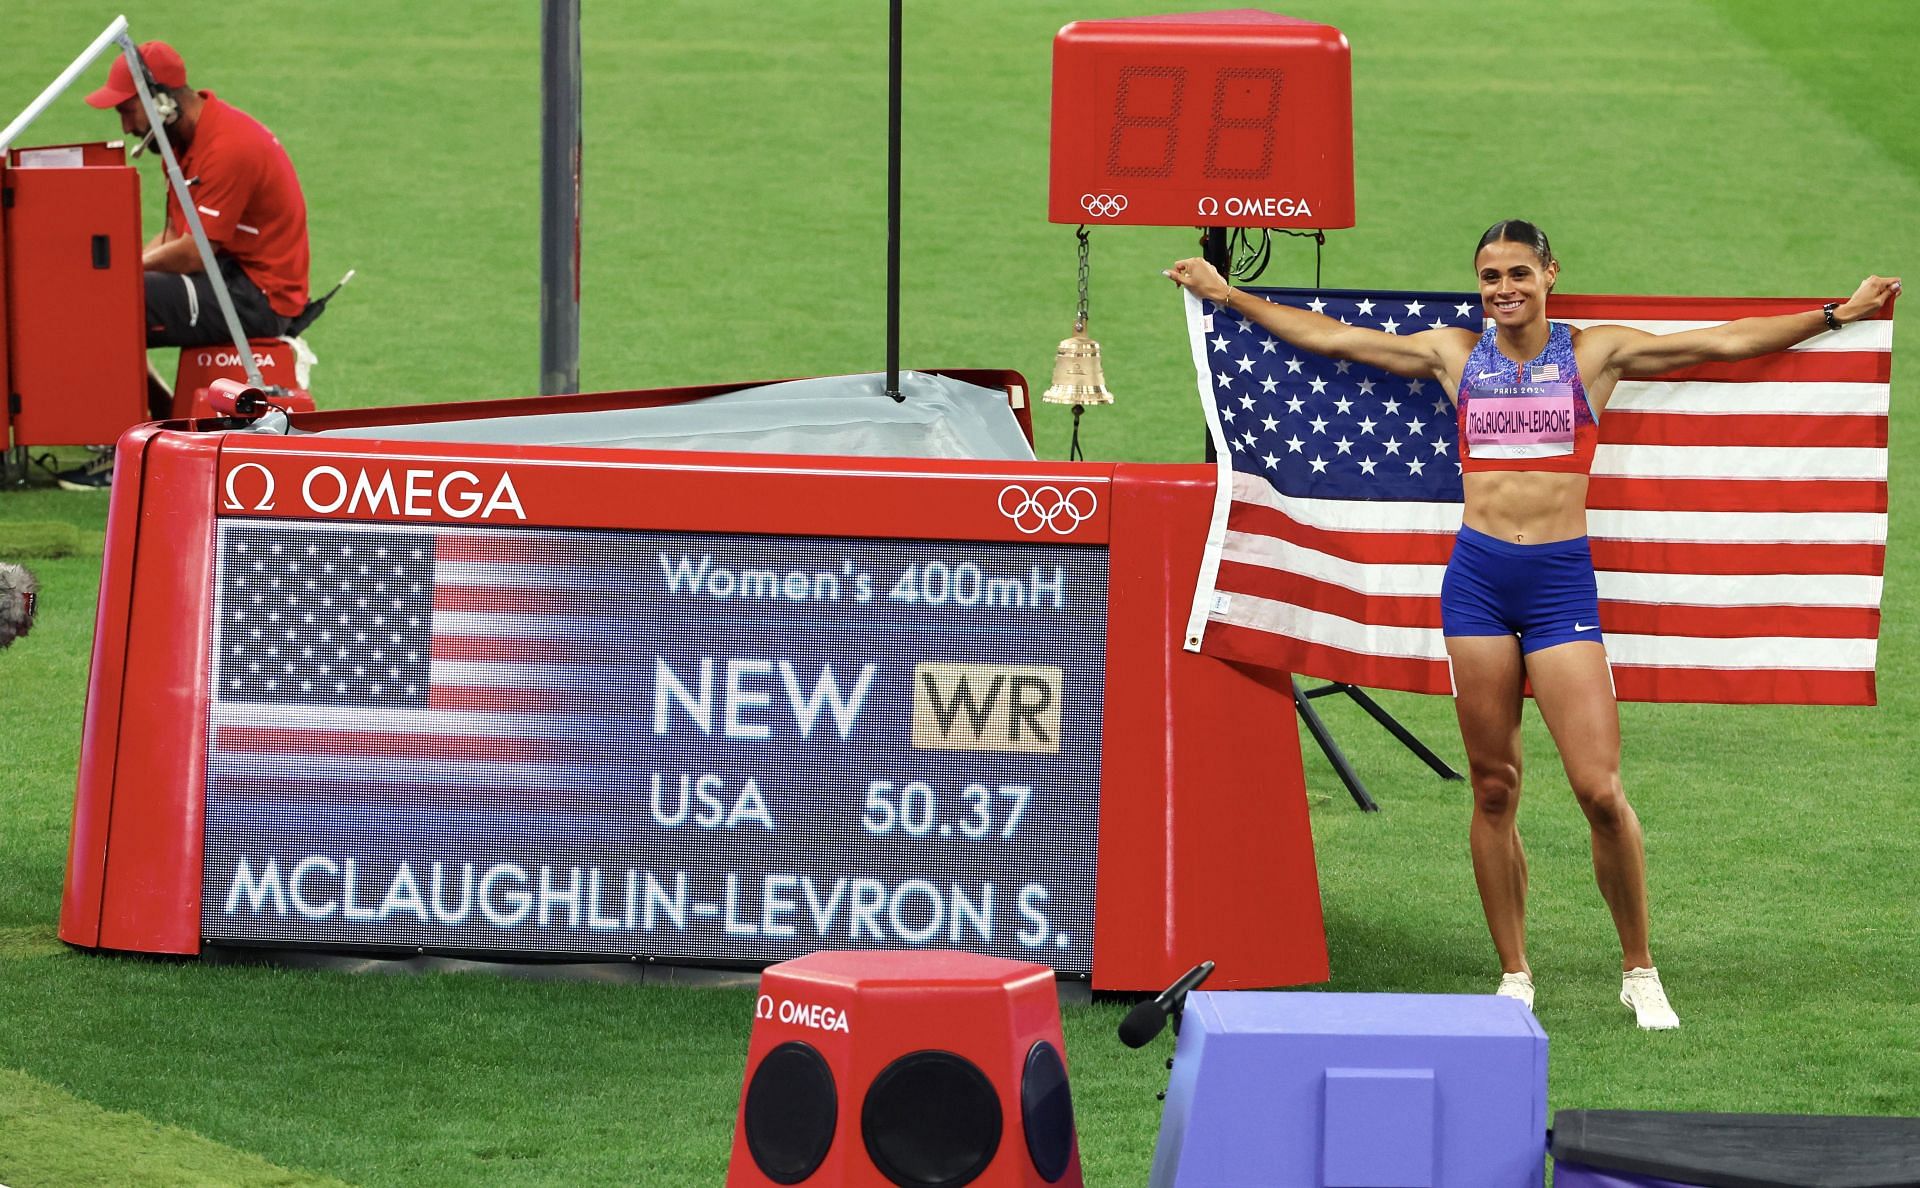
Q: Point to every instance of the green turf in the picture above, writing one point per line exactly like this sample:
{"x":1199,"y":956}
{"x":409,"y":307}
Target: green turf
{"x":734,"y":196}
{"x":56,"y":1140}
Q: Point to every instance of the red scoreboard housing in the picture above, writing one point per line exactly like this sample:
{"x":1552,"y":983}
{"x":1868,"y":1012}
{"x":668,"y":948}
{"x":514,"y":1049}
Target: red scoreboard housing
{"x":1223,"y":119}
{"x":1187,"y":840}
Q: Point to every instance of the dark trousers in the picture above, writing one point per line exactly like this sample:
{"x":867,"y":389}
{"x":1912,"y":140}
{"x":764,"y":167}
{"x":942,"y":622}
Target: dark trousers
{"x":183,"y":311}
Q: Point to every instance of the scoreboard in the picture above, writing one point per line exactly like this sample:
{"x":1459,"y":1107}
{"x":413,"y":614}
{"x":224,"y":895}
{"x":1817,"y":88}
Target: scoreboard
{"x":708,"y":746}
{"x":537,"y":702}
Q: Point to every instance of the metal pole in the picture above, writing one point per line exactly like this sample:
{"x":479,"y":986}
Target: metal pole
{"x":191,"y":213}
{"x":893,"y":206}
{"x":1215,"y":251}
{"x":559,"y":196}
{"x":45,"y":99}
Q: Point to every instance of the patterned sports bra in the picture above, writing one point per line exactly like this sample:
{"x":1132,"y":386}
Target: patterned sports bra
{"x":1526,"y":416}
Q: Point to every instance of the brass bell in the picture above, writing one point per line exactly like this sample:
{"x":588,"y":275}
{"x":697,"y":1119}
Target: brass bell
{"x":1077,"y":378}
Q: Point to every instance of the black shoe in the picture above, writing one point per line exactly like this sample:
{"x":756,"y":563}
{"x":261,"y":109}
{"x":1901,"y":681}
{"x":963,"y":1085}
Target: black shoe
{"x":95,"y":475}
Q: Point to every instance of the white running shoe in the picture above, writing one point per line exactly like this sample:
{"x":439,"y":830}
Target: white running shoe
{"x":1517,"y":986}
{"x":1641,"y":990}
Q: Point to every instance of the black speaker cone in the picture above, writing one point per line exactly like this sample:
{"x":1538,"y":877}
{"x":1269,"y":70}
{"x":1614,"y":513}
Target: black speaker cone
{"x":790,"y":1114}
{"x":931,"y":1120}
{"x":1046,"y":1112}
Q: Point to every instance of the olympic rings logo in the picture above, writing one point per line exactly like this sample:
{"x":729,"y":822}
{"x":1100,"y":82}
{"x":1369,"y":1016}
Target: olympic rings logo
{"x":1047,"y":507}
{"x":1103,"y":206}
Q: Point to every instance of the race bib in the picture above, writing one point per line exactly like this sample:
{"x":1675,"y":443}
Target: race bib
{"x":1520,"y":420}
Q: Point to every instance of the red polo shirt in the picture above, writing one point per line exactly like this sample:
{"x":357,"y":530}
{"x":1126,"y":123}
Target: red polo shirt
{"x":249,"y":201}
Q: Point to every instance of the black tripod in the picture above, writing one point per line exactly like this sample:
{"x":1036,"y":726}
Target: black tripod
{"x":1302,"y":701}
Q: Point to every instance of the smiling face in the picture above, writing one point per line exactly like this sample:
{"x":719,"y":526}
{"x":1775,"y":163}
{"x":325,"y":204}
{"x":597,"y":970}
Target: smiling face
{"x":1514,"y":282}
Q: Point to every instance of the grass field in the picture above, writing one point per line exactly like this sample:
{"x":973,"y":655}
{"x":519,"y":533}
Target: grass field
{"x":734,"y":202}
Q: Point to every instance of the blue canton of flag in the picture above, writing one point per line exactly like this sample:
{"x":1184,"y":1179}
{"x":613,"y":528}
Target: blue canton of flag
{"x":311,"y":616}
{"x":1331,"y":429}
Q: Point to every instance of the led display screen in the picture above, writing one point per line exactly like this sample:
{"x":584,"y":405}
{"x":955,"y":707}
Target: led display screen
{"x":678,"y":745}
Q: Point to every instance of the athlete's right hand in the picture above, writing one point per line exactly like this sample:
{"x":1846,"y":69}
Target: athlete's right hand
{"x":1199,"y":278}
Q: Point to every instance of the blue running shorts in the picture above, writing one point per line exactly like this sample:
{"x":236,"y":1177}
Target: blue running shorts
{"x":1543,"y":593}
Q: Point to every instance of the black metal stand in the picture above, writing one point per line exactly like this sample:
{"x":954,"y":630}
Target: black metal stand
{"x":1214,"y":250}
{"x":1302,"y":701}
{"x":893,"y":203}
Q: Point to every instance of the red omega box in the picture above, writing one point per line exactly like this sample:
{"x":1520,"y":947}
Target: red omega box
{"x":541,"y":701}
{"x":1241,"y":118}
{"x":905,"y":1068}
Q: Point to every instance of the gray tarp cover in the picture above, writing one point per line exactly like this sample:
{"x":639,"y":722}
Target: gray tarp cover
{"x":845,"y":414}
{"x":1743,"y":1150}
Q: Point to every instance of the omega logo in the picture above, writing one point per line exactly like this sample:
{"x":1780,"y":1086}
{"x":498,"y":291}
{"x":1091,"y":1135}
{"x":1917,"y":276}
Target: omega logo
{"x":234,"y":502}
{"x":412,"y":493}
{"x":802,"y":1014}
{"x":1269,"y":207}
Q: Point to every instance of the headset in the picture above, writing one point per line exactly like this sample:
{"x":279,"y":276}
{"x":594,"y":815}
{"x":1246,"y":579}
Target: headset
{"x":163,"y":102}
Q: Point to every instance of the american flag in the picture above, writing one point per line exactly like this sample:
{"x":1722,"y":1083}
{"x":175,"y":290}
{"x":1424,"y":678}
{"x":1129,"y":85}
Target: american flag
{"x":1737,"y":510}
{"x":363,"y":655}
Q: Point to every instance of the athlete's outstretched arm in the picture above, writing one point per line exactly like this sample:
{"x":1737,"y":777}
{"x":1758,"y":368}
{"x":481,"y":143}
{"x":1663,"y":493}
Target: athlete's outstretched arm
{"x":1626,"y":351}
{"x":1415,"y":356}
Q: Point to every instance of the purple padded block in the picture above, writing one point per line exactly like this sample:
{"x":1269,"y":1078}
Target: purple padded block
{"x":1305,"y":1090}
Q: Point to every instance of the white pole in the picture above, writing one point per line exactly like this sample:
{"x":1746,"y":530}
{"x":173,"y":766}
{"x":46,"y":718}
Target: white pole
{"x":208,"y":260}
{"x":114,"y":32}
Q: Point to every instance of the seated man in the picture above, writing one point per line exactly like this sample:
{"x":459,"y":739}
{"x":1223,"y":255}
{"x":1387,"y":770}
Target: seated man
{"x":250,"y":204}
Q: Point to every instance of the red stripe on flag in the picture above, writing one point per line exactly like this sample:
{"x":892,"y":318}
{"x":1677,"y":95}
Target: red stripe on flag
{"x":1824,"y":430}
{"x":278,"y":740}
{"x":1661,"y":556}
{"x":1722,"y":622}
{"x":1744,"y":686}
{"x":518,"y":600}
{"x":1750,"y":495}
{"x":1821,"y":367}
{"x":502,"y":699}
{"x":1587,"y":306}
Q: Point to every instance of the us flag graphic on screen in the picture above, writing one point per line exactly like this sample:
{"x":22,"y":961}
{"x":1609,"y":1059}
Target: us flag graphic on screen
{"x":326,"y":618}
{"x":1737,"y":510}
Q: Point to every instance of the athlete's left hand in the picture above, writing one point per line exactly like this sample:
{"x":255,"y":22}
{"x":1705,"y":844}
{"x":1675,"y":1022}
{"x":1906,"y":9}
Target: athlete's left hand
{"x":1866,"y":301}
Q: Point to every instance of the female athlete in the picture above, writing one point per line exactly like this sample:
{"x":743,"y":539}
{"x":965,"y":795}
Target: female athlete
{"x":1518,"y":601}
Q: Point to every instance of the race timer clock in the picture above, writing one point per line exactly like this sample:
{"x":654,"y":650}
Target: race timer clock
{"x":1224,"y":119}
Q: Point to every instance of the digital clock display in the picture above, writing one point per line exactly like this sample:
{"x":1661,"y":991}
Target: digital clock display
{"x":1225,"y":119}
{"x":641,"y":743}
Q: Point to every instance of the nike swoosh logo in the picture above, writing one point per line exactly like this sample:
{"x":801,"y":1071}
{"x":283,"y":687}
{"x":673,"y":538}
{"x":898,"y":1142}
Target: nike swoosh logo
{"x":1585,"y":627}
{"x":1486,"y":375}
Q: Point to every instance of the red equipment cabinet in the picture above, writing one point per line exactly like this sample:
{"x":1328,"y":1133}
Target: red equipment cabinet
{"x":1196,"y":821}
{"x":1217,"y":119}
{"x":74,"y":362}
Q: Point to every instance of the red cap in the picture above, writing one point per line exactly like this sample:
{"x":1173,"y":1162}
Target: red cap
{"x":160,"y":58}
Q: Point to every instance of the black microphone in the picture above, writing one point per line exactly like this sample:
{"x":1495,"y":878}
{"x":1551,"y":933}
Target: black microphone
{"x":18,"y":591}
{"x":1146,"y":1020}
